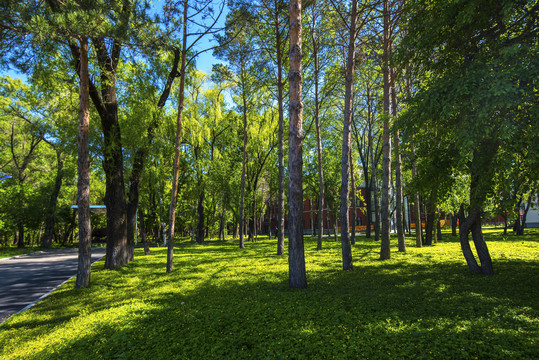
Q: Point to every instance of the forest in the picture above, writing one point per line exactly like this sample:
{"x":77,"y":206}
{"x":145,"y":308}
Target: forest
{"x":397,"y":109}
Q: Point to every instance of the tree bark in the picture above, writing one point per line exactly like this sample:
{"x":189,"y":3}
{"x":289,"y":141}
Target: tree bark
{"x":345,"y":160}
{"x":83,"y":162}
{"x":177,"y":147}
{"x":280,"y":102}
{"x":385,"y":252}
{"x":398,"y":173}
{"x":296,"y":254}
{"x":320,"y":217}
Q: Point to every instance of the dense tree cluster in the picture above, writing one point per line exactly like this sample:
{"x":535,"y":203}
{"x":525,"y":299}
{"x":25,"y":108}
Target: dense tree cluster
{"x":432,"y":104}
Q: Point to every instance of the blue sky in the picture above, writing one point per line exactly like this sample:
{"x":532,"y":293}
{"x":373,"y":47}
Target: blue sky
{"x":204,"y":61}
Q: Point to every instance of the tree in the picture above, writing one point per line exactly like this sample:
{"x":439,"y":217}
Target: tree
{"x":386,"y":147}
{"x":83,"y":196}
{"x":236,"y":47}
{"x":202,"y":7}
{"x":296,"y":254}
{"x":476,"y":99}
{"x":345,"y":160}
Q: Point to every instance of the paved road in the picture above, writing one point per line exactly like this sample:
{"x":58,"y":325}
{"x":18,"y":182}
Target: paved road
{"x":24,"y":279}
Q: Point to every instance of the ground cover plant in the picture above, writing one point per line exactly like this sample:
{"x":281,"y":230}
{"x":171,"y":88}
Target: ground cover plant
{"x":10,"y":251}
{"x":224,"y":302}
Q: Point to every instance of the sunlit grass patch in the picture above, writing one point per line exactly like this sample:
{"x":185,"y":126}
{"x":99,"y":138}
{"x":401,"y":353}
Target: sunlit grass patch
{"x":224,"y":302}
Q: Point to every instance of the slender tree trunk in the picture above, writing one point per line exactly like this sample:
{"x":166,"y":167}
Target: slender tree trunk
{"x":429,"y":226}
{"x":222,"y":223}
{"x":51,"y":215}
{"x":376,"y":208}
{"x":280,"y":102}
{"x":398,"y":173}
{"x":132,"y":202}
{"x":368,"y":208}
{"x":143,"y":231}
{"x":354,"y":201}
{"x":243,"y":171}
{"x":320,"y":218}
{"x":200,"y":211}
{"x":345,"y":160}
{"x":177,"y":147}
{"x":83,"y":183}
{"x":20,"y":237}
{"x":385,"y":252}
{"x":296,"y":254}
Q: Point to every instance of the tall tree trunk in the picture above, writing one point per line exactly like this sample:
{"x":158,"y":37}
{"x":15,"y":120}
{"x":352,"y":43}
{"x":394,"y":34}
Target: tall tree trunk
{"x":243,"y":170}
{"x":51,"y":215}
{"x":133,"y":199}
{"x":417,"y":200}
{"x":296,"y":253}
{"x":345,"y":160}
{"x":83,"y":183}
{"x":320,"y":218}
{"x":385,"y":252}
{"x":280,"y":103}
{"x":177,"y":147}
{"x":399,"y":203}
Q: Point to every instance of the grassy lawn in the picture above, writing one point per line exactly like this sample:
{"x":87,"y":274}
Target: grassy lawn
{"x":223,"y":302}
{"x":13,"y":250}
{"x":9,"y":251}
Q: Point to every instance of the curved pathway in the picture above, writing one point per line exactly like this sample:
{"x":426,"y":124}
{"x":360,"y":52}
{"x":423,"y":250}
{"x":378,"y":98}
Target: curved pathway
{"x":26,"y":279}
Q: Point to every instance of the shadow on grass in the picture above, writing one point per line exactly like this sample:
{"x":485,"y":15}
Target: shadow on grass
{"x":223,"y":302}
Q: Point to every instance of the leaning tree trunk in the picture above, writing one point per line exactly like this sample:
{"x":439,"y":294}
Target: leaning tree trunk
{"x":296,"y":253}
{"x":83,"y":183}
{"x":481,"y":174}
{"x":385,"y":252}
{"x":472,"y":224}
{"x":345,"y":159}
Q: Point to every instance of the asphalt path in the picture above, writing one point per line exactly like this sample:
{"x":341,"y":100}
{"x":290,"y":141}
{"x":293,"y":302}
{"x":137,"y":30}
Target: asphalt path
{"x":26,"y":279}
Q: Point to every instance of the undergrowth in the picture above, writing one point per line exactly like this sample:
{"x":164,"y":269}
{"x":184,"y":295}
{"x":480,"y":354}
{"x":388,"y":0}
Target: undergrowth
{"x":226,"y":303}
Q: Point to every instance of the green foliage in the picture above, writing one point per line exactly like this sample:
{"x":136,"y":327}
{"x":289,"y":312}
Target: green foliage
{"x":224,"y":302}
{"x":474,"y":106}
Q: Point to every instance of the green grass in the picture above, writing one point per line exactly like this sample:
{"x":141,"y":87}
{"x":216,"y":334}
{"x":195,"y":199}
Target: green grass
{"x":13,"y":250}
{"x":9,"y":251}
{"x":223,"y":302}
